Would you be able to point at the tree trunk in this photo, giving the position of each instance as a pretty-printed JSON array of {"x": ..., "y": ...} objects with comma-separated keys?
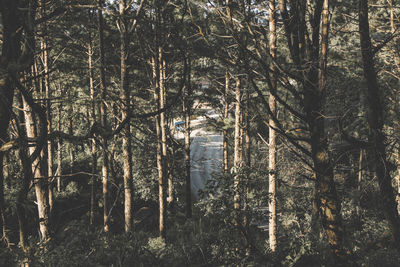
[
  {"x": 225, "y": 132},
  {"x": 305, "y": 50},
  {"x": 359, "y": 179},
  {"x": 59, "y": 148},
  {"x": 376, "y": 123},
  {"x": 272, "y": 134},
  {"x": 40, "y": 182},
  {"x": 103, "y": 115},
  {"x": 47, "y": 92},
  {"x": 187, "y": 107},
  {"x": 126, "y": 139},
  {"x": 237, "y": 162},
  {"x": 93, "y": 119},
  {"x": 26, "y": 167},
  {"x": 160, "y": 161},
  {"x": 164, "y": 125}
]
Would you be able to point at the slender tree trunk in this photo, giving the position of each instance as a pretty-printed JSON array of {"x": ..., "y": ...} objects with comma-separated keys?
[
  {"x": 376, "y": 122},
  {"x": 164, "y": 124},
  {"x": 126, "y": 139},
  {"x": 103, "y": 115},
  {"x": 93, "y": 142},
  {"x": 398, "y": 182},
  {"x": 225, "y": 132},
  {"x": 70, "y": 145},
  {"x": 272, "y": 134},
  {"x": 160, "y": 165},
  {"x": 40, "y": 182},
  {"x": 47, "y": 92},
  {"x": 187, "y": 107},
  {"x": 26, "y": 167},
  {"x": 359, "y": 179},
  {"x": 59, "y": 149},
  {"x": 237, "y": 149}
]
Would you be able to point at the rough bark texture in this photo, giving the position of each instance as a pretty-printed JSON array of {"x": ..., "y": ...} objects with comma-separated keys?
[
  {"x": 375, "y": 123},
  {"x": 272, "y": 134}
]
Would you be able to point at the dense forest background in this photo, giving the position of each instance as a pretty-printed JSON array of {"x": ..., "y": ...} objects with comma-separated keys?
[{"x": 307, "y": 97}]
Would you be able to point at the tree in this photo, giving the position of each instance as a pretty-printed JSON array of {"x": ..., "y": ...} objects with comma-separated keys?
[
  {"x": 272, "y": 134},
  {"x": 376, "y": 122},
  {"x": 103, "y": 115}
]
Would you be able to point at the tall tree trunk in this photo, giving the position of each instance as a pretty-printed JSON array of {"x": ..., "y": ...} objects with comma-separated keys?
[
  {"x": 359, "y": 180},
  {"x": 272, "y": 133},
  {"x": 237, "y": 162},
  {"x": 306, "y": 50},
  {"x": 103, "y": 115},
  {"x": 40, "y": 182},
  {"x": 126, "y": 139},
  {"x": 93, "y": 119},
  {"x": 187, "y": 107},
  {"x": 46, "y": 83},
  {"x": 164, "y": 125},
  {"x": 160, "y": 162},
  {"x": 328, "y": 202},
  {"x": 26, "y": 167},
  {"x": 225, "y": 132},
  {"x": 375, "y": 123},
  {"x": 70, "y": 145},
  {"x": 59, "y": 148}
]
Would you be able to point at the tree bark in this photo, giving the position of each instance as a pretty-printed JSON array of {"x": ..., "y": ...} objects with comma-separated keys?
[
  {"x": 225, "y": 132},
  {"x": 40, "y": 182},
  {"x": 46, "y": 83},
  {"x": 126, "y": 139},
  {"x": 376, "y": 123},
  {"x": 187, "y": 107},
  {"x": 93, "y": 119},
  {"x": 359, "y": 180},
  {"x": 103, "y": 115},
  {"x": 237, "y": 162},
  {"x": 272, "y": 133},
  {"x": 59, "y": 148},
  {"x": 164, "y": 124},
  {"x": 160, "y": 162}
]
